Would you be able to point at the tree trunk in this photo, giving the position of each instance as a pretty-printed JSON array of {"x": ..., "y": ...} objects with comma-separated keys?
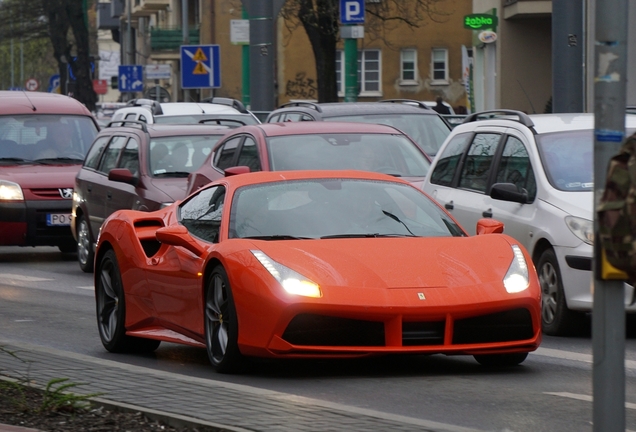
[{"x": 322, "y": 31}]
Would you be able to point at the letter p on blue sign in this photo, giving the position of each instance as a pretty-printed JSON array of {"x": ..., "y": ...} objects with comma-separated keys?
[{"x": 352, "y": 11}]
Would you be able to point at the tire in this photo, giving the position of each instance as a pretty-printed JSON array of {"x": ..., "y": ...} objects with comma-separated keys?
[
  {"x": 221, "y": 324},
  {"x": 556, "y": 318},
  {"x": 500, "y": 360},
  {"x": 85, "y": 253},
  {"x": 111, "y": 311}
]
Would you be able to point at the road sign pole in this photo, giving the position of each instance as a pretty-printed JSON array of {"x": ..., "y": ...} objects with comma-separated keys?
[
  {"x": 185, "y": 32},
  {"x": 246, "y": 68},
  {"x": 351, "y": 70},
  {"x": 608, "y": 314}
]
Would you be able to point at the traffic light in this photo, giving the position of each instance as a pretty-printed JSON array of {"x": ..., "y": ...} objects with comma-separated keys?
[{"x": 114, "y": 84}]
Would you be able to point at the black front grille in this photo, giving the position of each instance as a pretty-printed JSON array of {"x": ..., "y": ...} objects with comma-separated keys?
[
  {"x": 320, "y": 330},
  {"x": 498, "y": 327},
  {"x": 422, "y": 333}
]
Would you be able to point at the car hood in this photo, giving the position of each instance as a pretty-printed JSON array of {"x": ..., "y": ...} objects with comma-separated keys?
[
  {"x": 396, "y": 262},
  {"x": 578, "y": 204},
  {"x": 173, "y": 188},
  {"x": 40, "y": 176}
]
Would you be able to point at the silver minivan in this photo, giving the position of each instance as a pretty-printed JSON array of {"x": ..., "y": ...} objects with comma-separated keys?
[{"x": 534, "y": 173}]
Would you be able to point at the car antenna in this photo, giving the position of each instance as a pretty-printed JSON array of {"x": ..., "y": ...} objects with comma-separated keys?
[
  {"x": 27, "y": 96},
  {"x": 534, "y": 111}
]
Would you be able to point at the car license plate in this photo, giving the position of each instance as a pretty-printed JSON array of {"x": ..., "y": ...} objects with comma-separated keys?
[{"x": 58, "y": 219}]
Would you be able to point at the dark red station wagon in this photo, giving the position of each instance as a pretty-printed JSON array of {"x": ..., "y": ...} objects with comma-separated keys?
[{"x": 43, "y": 140}]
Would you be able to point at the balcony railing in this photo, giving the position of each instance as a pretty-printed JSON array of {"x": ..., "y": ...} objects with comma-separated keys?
[{"x": 170, "y": 39}]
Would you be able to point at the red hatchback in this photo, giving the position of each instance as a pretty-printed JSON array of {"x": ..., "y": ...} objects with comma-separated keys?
[
  {"x": 314, "y": 146},
  {"x": 43, "y": 140}
]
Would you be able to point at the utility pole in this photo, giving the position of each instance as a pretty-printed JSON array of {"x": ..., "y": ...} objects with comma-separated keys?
[
  {"x": 608, "y": 313},
  {"x": 185, "y": 33},
  {"x": 262, "y": 15}
]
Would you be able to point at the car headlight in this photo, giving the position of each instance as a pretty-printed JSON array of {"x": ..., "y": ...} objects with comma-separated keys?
[
  {"x": 582, "y": 228},
  {"x": 516, "y": 279},
  {"x": 10, "y": 191},
  {"x": 292, "y": 282}
]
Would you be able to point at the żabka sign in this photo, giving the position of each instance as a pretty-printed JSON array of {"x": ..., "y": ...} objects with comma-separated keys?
[{"x": 480, "y": 21}]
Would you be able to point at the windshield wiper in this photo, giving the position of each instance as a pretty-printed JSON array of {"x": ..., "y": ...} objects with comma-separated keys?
[
  {"x": 369, "y": 235},
  {"x": 58, "y": 159},
  {"x": 15, "y": 159},
  {"x": 278, "y": 237},
  {"x": 397, "y": 219},
  {"x": 172, "y": 174}
]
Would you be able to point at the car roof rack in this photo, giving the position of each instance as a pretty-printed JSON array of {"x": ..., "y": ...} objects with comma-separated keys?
[
  {"x": 234, "y": 103},
  {"x": 218, "y": 121},
  {"x": 122, "y": 123},
  {"x": 407, "y": 102},
  {"x": 153, "y": 105},
  {"x": 522, "y": 117},
  {"x": 302, "y": 104}
]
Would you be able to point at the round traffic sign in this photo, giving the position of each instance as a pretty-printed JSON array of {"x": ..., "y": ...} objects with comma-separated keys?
[{"x": 31, "y": 84}]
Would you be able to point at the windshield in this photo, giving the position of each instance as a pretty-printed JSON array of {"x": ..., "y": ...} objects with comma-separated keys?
[
  {"x": 384, "y": 153},
  {"x": 336, "y": 208},
  {"x": 428, "y": 131},
  {"x": 568, "y": 159},
  {"x": 177, "y": 156},
  {"x": 45, "y": 138}
]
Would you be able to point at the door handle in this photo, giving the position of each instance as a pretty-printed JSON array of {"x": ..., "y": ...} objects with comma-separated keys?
[
  {"x": 109, "y": 195},
  {"x": 487, "y": 213},
  {"x": 89, "y": 188},
  {"x": 449, "y": 206}
]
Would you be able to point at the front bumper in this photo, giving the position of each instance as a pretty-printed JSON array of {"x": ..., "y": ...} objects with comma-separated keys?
[{"x": 25, "y": 223}]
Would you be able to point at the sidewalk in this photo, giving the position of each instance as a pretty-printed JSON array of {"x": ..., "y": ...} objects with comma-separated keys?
[{"x": 181, "y": 400}]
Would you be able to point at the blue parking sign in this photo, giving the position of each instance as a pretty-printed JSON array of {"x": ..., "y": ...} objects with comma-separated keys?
[
  {"x": 200, "y": 66},
  {"x": 131, "y": 78},
  {"x": 352, "y": 11}
]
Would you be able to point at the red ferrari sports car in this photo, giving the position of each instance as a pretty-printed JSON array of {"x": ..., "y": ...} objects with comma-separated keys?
[{"x": 314, "y": 264}]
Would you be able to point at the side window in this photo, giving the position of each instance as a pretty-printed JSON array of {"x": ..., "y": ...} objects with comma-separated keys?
[
  {"x": 131, "y": 116},
  {"x": 201, "y": 214},
  {"x": 476, "y": 169},
  {"x": 274, "y": 118},
  {"x": 92, "y": 159},
  {"x": 111, "y": 155},
  {"x": 515, "y": 167},
  {"x": 249, "y": 155},
  {"x": 142, "y": 118},
  {"x": 224, "y": 156},
  {"x": 448, "y": 160},
  {"x": 130, "y": 157}
]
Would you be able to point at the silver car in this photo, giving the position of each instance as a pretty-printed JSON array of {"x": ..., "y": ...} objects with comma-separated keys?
[{"x": 534, "y": 173}]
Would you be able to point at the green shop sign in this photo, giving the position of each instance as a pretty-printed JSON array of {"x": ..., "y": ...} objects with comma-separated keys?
[{"x": 480, "y": 21}]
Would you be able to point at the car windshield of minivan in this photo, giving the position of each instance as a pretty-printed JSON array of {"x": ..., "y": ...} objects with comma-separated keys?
[
  {"x": 178, "y": 156},
  {"x": 45, "y": 139},
  {"x": 428, "y": 131},
  {"x": 384, "y": 153},
  {"x": 568, "y": 159}
]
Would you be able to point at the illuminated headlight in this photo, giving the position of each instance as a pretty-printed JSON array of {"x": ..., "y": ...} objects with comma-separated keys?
[
  {"x": 516, "y": 279},
  {"x": 10, "y": 191},
  {"x": 582, "y": 228},
  {"x": 292, "y": 282}
]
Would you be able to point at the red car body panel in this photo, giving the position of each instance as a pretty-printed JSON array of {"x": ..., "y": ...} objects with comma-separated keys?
[{"x": 392, "y": 282}]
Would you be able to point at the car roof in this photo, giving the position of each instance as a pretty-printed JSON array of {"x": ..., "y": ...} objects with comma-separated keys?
[
  {"x": 312, "y": 128},
  {"x": 165, "y": 130},
  {"x": 333, "y": 109},
  {"x": 189, "y": 108},
  {"x": 273, "y": 176},
  {"x": 19, "y": 102}
]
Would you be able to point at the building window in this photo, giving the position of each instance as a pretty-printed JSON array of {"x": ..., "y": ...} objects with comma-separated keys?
[
  {"x": 369, "y": 72},
  {"x": 408, "y": 66},
  {"x": 439, "y": 66}
]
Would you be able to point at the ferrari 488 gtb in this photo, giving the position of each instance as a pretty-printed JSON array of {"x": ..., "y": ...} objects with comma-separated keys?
[{"x": 297, "y": 264}]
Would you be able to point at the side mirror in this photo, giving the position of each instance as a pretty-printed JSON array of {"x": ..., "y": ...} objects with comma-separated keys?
[
  {"x": 122, "y": 175},
  {"x": 179, "y": 236},
  {"x": 508, "y": 192},
  {"x": 489, "y": 226},
  {"x": 236, "y": 170}
]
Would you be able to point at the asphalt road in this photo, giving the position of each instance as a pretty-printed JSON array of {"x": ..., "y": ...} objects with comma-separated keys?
[{"x": 46, "y": 300}]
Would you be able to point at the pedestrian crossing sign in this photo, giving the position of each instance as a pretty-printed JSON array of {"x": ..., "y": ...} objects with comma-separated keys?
[{"x": 200, "y": 66}]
